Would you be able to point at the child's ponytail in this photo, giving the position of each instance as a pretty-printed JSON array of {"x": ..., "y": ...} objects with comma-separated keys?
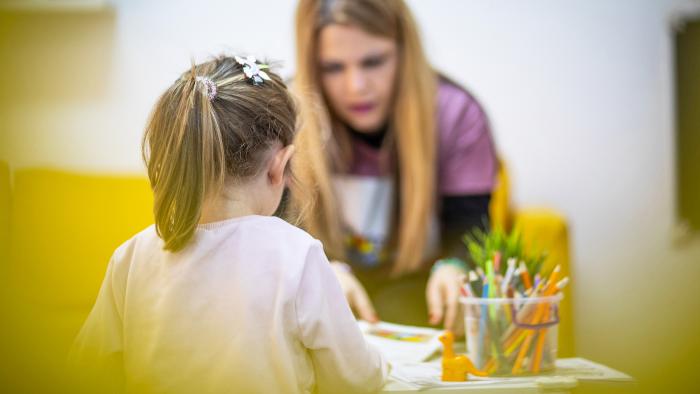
[
  {"x": 185, "y": 158},
  {"x": 211, "y": 124}
]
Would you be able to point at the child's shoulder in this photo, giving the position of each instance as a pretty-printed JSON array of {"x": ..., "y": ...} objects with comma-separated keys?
[
  {"x": 145, "y": 236},
  {"x": 124, "y": 254},
  {"x": 251, "y": 230},
  {"x": 254, "y": 230},
  {"x": 274, "y": 235},
  {"x": 280, "y": 229}
]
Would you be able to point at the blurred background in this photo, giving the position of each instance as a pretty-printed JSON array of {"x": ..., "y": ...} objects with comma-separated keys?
[{"x": 594, "y": 105}]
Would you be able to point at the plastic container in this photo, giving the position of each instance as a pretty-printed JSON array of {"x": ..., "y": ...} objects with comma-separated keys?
[{"x": 512, "y": 336}]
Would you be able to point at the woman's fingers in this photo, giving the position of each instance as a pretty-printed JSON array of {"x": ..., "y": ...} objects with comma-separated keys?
[
  {"x": 354, "y": 292},
  {"x": 442, "y": 294},
  {"x": 435, "y": 302},
  {"x": 458, "y": 327},
  {"x": 451, "y": 298},
  {"x": 360, "y": 302}
]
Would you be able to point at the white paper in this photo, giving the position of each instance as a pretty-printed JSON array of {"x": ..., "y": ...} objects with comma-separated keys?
[
  {"x": 400, "y": 343},
  {"x": 428, "y": 375}
]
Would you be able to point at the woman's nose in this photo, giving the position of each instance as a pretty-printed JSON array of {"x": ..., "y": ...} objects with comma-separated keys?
[{"x": 356, "y": 81}]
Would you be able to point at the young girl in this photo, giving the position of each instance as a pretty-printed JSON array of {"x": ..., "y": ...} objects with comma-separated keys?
[{"x": 218, "y": 296}]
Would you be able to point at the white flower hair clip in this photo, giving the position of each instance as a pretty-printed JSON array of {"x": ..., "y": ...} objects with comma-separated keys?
[
  {"x": 209, "y": 85},
  {"x": 253, "y": 70}
]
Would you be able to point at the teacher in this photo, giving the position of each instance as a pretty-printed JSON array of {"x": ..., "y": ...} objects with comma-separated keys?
[{"x": 399, "y": 160}]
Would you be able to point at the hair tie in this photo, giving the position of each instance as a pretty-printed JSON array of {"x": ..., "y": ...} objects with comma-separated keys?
[{"x": 209, "y": 85}]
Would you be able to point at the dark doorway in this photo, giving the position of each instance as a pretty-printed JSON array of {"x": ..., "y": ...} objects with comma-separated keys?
[{"x": 688, "y": 124}]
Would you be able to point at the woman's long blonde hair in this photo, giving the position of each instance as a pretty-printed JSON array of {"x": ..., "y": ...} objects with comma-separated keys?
[
  {"x": 412, "y": 122},
  {"x": 212, "y": 125}
]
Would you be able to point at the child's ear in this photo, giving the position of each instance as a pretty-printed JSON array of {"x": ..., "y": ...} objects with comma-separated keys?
[{"x": 279, "y": 163}]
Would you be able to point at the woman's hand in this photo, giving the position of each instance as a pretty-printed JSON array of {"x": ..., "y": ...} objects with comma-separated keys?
[
  {"x": 354, "y": 292},
  {"x": 442, "y": 293}
]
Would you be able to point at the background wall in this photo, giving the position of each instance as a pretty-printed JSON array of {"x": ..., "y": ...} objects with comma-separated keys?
[{"x": 580, "y": 95}]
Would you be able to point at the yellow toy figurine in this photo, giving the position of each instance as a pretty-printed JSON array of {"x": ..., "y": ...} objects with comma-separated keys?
[{"x": 455, "y": 368}]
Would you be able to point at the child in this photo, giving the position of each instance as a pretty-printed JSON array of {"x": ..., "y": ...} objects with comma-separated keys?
[{"x": 218, "y": 296}]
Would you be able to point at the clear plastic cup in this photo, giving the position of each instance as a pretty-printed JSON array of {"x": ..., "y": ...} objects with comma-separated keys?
[{"x": 512, "y": 336}]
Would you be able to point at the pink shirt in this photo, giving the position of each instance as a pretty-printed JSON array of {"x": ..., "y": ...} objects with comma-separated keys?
[
  {"x": 466, "y": 165},
  {"x": 466, "y": 156}
]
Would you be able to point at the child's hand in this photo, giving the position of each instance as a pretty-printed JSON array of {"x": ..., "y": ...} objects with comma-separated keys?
[
  {"x": 442, "y": 293},
  {"x": 354, "y": 292}
]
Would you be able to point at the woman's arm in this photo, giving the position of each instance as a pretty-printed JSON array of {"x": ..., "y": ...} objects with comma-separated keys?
[
  {"x": 354, "y": 292},
  {"x": 459, "y": 215},
  {"x": 467, "y": 171}
]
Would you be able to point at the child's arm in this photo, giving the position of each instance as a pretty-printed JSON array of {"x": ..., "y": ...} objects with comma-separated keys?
[
  {"x": 343, "y": 360},
  {"x": 95, "y": 359}
]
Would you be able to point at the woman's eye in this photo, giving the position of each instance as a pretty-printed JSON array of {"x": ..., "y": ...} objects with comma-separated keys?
[
  {"x": 331, "y": 68},
  {"x": 373, "y": 62}
]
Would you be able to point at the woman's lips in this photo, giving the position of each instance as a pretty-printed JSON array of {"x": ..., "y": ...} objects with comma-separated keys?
[{"x": 362, "y": 108}]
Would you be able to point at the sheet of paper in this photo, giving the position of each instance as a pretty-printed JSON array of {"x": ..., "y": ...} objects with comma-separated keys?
[
  {"x": 400, "y": 343},
  {"x": 428, "y": 375}
]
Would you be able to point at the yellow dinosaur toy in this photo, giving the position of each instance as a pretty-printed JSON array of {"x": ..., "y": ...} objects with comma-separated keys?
[{"x": 455, "y": 368}]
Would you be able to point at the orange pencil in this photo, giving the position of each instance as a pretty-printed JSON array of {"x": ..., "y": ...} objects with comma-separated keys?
[
  {"x": 560, "y": 286},
  {"x": 554, "y": 277},
  {"x": 512, "y": 333},
  {"x": 528, "y": 340},
  {"x": 523, "y": 351},
  {"x": 528, "y": 311},
  {"x": 542, "y": 310},
  {"x": 525, "y": 276},
  {"x": 539, "y": 347},
  {"x": 517, "y": 339}
]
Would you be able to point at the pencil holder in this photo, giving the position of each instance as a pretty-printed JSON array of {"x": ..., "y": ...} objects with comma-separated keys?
[{"x": 512, "y": 336}]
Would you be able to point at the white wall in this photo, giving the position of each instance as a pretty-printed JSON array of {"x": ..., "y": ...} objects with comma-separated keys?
[
  {"x": 138, "y": 48},
  {"x": 580, "y": 95}
]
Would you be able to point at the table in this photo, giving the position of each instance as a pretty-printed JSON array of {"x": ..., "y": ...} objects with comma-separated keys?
[{"x": 572, "y": 375}]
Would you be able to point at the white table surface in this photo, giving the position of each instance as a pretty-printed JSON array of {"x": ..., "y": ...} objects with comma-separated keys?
[{"x": 570, "y": 374}]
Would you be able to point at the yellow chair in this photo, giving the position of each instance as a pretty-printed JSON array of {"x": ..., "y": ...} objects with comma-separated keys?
[
  {"x": 5, "y": 192},
  {"x": 543, "y": 229},
  {"x": 64, "y": 228}
]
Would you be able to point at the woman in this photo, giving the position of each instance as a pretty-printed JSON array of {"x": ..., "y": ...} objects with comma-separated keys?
[{"x": 401, "y": 159}]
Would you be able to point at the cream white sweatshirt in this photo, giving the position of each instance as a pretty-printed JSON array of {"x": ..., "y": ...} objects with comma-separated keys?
[{"x": 250, "y": 305}]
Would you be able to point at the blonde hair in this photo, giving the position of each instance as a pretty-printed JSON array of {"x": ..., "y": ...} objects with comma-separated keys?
[
  {"x": 196, "y": 140},
  {"x": 412, "y": 122}
]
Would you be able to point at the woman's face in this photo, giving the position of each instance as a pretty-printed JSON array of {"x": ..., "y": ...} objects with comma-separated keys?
[{"x": 358, "y": 71}]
